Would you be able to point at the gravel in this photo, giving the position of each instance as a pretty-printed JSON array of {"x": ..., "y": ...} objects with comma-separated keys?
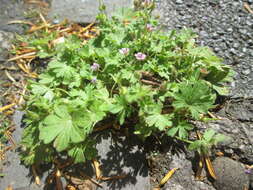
[{"x": 223, "y": 25}]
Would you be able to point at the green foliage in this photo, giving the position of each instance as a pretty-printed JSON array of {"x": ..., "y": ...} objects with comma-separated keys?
[
  {"x": 4, "y": 125},
  {"x": 209, "y": 139},
  {"x": 130, "y": 70},
  {"x": 193, "y": 97}
]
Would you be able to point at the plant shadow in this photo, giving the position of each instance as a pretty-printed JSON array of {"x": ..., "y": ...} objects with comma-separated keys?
[{"x": 123, "y": 159}]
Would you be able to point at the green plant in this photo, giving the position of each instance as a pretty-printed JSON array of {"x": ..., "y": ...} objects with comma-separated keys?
[
  {"x": 209, "y": 139},
  {"x": 130, "y": 70},
  {"x": 4, "y": 124}
]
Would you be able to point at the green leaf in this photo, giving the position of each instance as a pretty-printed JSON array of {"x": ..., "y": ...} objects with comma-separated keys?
[
  {"x": 217, "y": 74},
  {"x": 196, "y": 145},
  {"x": 60, "y": 128},
  {"x": 65, "y": 72},
  {"x": 83, "y": 151},
  {"x": 46, "y": 78},
  {"x": 195, "y": 96},
  {"x": 209, "y": 134},
  {"x": 116, "y": 108},
  {"x": 180, "y": 127},
  {"x": 172, "y": 131},
  {"x": 158, "y": 120},
  {"x": 42, "y": 90}
]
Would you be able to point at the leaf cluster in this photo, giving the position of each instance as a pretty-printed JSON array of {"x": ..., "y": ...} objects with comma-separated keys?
[{"x": 131, "y": 71}]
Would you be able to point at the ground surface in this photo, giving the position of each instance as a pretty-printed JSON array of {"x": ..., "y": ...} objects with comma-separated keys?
[{"x": 225, "y": 26}]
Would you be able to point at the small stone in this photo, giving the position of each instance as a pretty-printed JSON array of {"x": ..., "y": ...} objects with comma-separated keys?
[
  {"x": 236, "y": 45},
  {"x": 246, "y": 72},
  {"x": 230, "y": 174},
  {"x": 179, "y": 1}
]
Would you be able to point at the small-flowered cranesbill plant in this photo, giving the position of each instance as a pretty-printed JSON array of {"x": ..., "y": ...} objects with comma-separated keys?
[{"x": 131, "y": 72}]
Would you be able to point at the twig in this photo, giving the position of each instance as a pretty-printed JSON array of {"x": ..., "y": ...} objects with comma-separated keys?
[
  {"x": 9, "y": 76},
  {"x": 21, "y": 99},
  {"x": 247, "y": 7},
  {"x": 150, "y": 76},
  {"x": 87, "y": 27},
  {"x": 150, "y": 82},
  {"x": 45, "y": 22},
  {"x": 210, "y": 167},
  {"x": 167, "y": 176},
  {"x": 96, "y": 129},
  {"x": 20, "y": 22},
  {"x": 59, "y": 185},
  {"x": 37, "y": 179},
  {"x": 21, "y": 56},
  {"x": 200, "y": 168},
  {"x": 96, "y": 166},
  {"x": 113, "y": 177},
  {"x": 91, "y": 179},
  {"x": 8, "y": 134},
  {"x": 7, "y": 107},
  {"x": 212, "y": 115},
  {"x": 40, "y": 3}
]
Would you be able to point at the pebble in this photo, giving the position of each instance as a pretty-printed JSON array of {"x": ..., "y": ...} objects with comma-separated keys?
[
  {"x": 230, "y": 175},
  {"x": 246, "y": 72}
]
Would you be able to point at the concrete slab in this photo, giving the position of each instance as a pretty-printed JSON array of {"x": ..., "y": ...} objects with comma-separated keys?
[{"x": 83, "y": 11}]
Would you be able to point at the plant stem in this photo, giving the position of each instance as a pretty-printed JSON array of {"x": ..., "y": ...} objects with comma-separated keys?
[{"x": 184, "y": 140}]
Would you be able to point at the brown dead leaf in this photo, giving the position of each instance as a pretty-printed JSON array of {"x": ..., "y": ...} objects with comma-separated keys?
[
  {"x": 22, "y": 56},
  {"x": 36, "y": 177},
  {"x": 9, "y": 112},
  {"x": 7, "y": 107},
  {"x": 9, "y": 188},
  {"x": 113, "y": 177},
  {"x": 35, "y": 28},
  {"x": 26, "y": 50},
  {"x": 9, "y": 135},
  {"x": 59, "y": 185},
  {"x": 167, "y": 176},
  {"x": 247, "y": 7},
  {"x": 38, "y": 2},
  {"x": 70, "y": 187},
  {"x": 82, "y": 184},
  {"x": 20, "y": 22},
  {"x": 210, "y": 167},
  {"x": 87, "y": 27},
  {"x": 96, "y": 166},
  {"x": 9, "y": 76},
  {"x": 219, "y": 154},
  {"x": 200, "y": 168}
]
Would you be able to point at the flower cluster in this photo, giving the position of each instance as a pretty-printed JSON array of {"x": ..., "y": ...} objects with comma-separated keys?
[
  {"x": 140, "y": 56},
  {"x": 150, "y": 28},
  {"x": 94, "y": 80},
  {"x": 95, "y": 67},
  {"x": 124, "y": 51}
]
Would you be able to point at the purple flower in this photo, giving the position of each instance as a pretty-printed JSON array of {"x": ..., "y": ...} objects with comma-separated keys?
[
  {"x": 124, "y": 51},
  {"x": 140, "y": 56},
  {"x": 95, "y": 67},
  {"x": 248, "y": 171},
  {"x": 150, "y": 27},
  {"x": 94, "y": 80}
]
